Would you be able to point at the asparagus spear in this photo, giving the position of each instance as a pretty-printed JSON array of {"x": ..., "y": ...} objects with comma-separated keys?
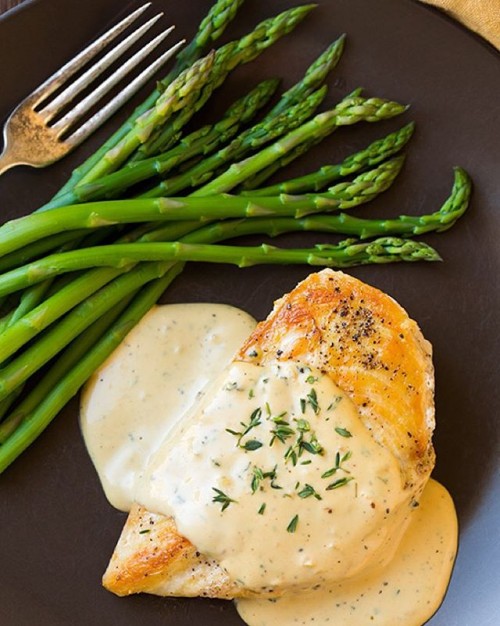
[
  {"x": 20, "y": 232},
  {"x": 313, "y": 79},
  {"x": 403, "y": 226},
  {"x": 349, "y": 111},
  {"x": 125, "y": 255},
  {"x": 259, "y": 135},
  {"x": 372, "y": 155},
  {"x": 202, "y": 141},
  {"x": 211, "y": 27}
]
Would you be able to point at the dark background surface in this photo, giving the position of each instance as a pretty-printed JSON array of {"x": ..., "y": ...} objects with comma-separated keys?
[
  {"x": 5, "y": 5},
  {"x": 57, "y": 530}
]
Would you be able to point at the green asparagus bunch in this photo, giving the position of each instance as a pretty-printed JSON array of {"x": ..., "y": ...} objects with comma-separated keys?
[{"x": 85, "y": 272}]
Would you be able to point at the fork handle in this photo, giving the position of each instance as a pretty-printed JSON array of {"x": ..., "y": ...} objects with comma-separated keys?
[{"x": 7, "y": 160}]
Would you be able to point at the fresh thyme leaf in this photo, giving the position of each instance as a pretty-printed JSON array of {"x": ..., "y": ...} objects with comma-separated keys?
[
  {"x": 309, "y": 491},
  {"x": 262, "y": 509},
  {"x": 303, "y": 404},
  {"x": 292, "y": 455},
  {"x": 143, "y": 532},
  {"x": 271, "y": 474},
  {"x": 333, "y": 404},
  {"x": 222, "y": 498},
  {"x": 339, "y": 483},
  {"x": 338, "y": 465},
  {"x": 312, "y": 398},
  {"x": 313, "y": 447},
  {"x": 292, "y": 526},
  {"x": 257, "y": 477},
  {"x": 258, "y": 473},
  {"x": 308, "y": 447},
  {"x": 280, "y": 421},
  {"x": 275, "y": 486},
  {"x": 282, "y": 432},
  {"x": 343, "y": 432},
  {"x": 254, "y": 421},
  {"x": 329, "y": 472},
  {"x": 303, "y": 425},
  {"x": 252, "y": 445}
]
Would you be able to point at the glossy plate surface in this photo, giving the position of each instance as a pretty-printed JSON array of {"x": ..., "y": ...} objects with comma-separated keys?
[{"x": 57, "y": 530}]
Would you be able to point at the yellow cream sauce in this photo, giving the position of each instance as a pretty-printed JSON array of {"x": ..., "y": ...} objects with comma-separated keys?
[
  {"x": 268, "y": 470},
  {"x": 151, "y": 381}
]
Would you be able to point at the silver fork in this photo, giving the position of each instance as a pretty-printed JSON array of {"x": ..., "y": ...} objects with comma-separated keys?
[{"x": 30, "y": 136}]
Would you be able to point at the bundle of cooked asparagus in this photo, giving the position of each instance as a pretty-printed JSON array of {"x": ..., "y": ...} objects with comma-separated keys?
[{"x": 80, "y": 272}]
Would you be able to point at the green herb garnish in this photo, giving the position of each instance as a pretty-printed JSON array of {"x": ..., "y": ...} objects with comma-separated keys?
[
  {"x": 341, "y": 482},
  {"x": 343, "y": 432},
  {"x": 222, "y": 498},
  {"x": 252, "y": 445},
  {"x": 309, "y": 491},
  {"x": 292, "y": 526},
  {"x": 254, "y": 421},
  {"x": 312, "y": 398},
  {"x": 338, "y": 465}
]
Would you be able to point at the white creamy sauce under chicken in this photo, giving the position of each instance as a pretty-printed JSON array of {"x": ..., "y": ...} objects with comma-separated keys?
[{"x": 272, "y": 474}]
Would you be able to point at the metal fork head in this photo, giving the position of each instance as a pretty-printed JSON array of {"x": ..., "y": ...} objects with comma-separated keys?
[{"x": 30, "y": 137}]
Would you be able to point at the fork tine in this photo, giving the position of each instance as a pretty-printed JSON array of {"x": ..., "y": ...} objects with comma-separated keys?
[
  {"x": 69, "y": 69},
  {"x": 48, "y": 112},
  {"x": 82, "y": 107},
  {"x": 107, "y": 111}
]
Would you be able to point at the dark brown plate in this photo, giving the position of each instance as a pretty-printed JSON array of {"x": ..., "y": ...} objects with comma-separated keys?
[{"x": 57, "y": 530}]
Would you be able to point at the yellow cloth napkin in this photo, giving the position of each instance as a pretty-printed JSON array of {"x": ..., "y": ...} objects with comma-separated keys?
[{"x": 482, "y": 16}]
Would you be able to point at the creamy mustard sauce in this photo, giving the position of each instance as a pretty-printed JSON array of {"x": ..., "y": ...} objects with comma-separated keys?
[
  {"x": 149, "y": 383},
  {"x": 277, "y": 479},
  {"x": 408, "y": 590},
  {"x": 270, "y": 471}
]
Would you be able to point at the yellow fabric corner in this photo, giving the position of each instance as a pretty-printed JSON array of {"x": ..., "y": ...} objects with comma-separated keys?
[{"x": 482, "y": 16}]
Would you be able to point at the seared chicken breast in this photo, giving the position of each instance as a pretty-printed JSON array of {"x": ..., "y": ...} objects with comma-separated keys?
[{"x": 368, "y": 345}]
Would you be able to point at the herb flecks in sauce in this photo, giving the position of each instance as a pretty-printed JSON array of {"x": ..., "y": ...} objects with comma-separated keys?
[
  {"x": 222, "y": 498},
  {"x": 276, "y": 490}
]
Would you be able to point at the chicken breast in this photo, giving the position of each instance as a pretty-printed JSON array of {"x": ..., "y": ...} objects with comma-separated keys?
[{"x": 368, "y": 345}]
